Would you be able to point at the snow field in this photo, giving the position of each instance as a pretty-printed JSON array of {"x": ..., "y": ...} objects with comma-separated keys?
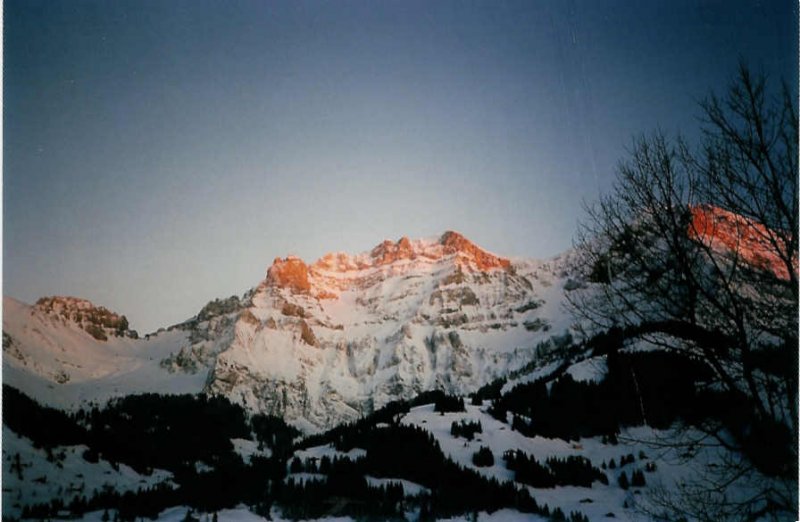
[{"x": 40, "y": 480}]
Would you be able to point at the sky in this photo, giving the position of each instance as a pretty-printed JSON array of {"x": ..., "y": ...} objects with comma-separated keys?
[{"x": 159, "y": 154}]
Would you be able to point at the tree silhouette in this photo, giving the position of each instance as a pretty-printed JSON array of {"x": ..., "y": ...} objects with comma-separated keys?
[{"x": 695, "y": 251}]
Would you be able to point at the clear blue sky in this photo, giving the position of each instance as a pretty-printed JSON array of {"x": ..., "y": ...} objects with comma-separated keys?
[{"x": 159, "y": 154}]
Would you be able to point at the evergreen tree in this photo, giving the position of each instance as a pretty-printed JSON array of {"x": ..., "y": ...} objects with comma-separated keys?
[
  {"x": 637, "y": 479},
  {"x": 623, "y": 481},
  {"x": 296, "y": 466}
]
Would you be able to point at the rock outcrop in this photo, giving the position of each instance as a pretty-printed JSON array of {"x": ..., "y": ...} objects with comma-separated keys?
[
  {"x": 737, "y": 235},
  {"x": 97, "y": 321},
  {"x": 291, "y": 273}
]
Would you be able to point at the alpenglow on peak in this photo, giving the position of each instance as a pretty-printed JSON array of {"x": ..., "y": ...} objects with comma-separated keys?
[{"x": 295, "y": 275}]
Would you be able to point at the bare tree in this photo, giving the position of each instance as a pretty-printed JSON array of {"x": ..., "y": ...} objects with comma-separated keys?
[{"x": 695, "y": 250}]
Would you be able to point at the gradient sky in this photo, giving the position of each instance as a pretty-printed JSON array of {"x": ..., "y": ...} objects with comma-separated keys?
[{"x": 158, "y": 154}]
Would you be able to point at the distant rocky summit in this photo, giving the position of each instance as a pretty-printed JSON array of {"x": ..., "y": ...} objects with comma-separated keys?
[{"x": 97, "y": 321}]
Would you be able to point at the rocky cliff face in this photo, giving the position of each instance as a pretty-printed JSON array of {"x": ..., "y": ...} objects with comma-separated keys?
[
  {"x": 97, "y": 321},
  {"x": 744, "y": 238},
  {"x": 326, "y": 342}
]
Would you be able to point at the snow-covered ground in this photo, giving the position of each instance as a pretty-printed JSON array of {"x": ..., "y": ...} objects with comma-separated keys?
[
  {"x": 242, "y": 514},
  {"x": 647, "y": 445},
  {"x": 596, "y": 502},
  {"x": 247, "y": 449},
  {"x": 593, "y": 369},
  {"x": 30, "y": 477},
  {"x": 410, "y": 489},
  {"x": 328, "y": 450},
  {"x": 69, "y": 474}
]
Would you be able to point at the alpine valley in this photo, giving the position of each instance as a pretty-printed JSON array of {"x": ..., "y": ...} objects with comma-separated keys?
[{"x": 424, "y": 379}]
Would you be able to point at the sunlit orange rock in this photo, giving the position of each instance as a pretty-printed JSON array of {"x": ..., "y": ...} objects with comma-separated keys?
[
  {"x": 291, "y": 273},
  {"x": 389, "y": 252},
  {"x": 720, "y": 228},
  {"x": 98, "y": 321},
  {"x": 336, "y": 262},
  {"x": 455, "y": 243},
  {"x": 337, "y": 272}
]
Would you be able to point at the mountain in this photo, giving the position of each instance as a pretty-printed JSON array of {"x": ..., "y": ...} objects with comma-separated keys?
[
  {"x": 49, "y": 352},
  {"x": 333, "y": 340},
  {"x": 728, "y": 232},
  {"x": 316, "y": 344}
]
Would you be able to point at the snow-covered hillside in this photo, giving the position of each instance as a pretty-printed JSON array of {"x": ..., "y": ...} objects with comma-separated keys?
[
  {"x": 663, "y": 464},
  {"x": 32, "y": 475},
  {"x": 55, "y": 360}
]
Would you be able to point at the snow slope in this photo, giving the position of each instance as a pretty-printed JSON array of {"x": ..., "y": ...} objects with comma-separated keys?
[
  {"x": 30, "y": 477},
  {"x": 58, "y": 363},
  {"x": 665, "y": 464},
  {"x": 242, "y": 514},
  {"x": 673, "y": 464}
]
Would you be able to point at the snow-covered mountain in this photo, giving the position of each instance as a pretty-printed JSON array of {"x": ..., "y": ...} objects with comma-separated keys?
[
  {"x": 314, "y": 343},
  {"x": 333, "y": 340},
  {"x": 51, "y": 356}
]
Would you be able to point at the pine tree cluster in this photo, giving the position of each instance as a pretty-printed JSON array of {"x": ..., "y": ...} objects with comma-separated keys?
[
  {"x": 466, "y": 429},
  {"x": 449, "y": 403},
  {"x": 569, "y": 471},
  {"x": 483, "y": 457}
]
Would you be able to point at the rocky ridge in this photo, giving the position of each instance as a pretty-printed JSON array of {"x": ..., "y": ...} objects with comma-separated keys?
[
  {"x": 732, "y": 233},
  {"x": 97, "y": 321}
]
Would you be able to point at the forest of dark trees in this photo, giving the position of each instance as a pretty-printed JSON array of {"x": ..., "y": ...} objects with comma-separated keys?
[
  {"x": 175, "y": 432},
  {"x": 569, "y": 471},
  {"x": 654, "y": 388}
]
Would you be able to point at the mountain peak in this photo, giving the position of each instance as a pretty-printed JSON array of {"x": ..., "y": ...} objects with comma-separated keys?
[
  {"x": 290, "y": 272},
  {"x": 97, "y": 321},
  {"x": 726, "y": 230},
  {"x": 293, "y": 273},
  {"x": 455, "y": 243},
  {"x": 61, "y": 303},
  {"x": 389, "y": 252}
]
